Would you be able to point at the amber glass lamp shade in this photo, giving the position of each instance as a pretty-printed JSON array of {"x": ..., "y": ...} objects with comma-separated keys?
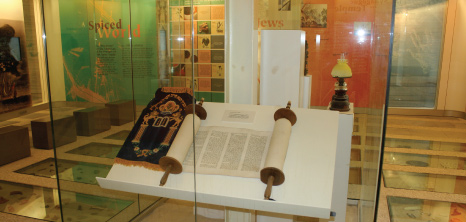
[{"x": 341, "y": 69}]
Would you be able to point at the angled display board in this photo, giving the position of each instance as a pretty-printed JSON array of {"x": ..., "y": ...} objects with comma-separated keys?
[{"x": 309, "y": 167}]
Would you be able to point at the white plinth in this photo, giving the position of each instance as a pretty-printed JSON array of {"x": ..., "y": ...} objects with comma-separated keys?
[{"x": 309, "y": 168}]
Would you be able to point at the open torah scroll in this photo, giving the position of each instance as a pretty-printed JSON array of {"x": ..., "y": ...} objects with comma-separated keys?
[
  {"x": 231, "y": 151},
  {"x": 228, "y": 151}
]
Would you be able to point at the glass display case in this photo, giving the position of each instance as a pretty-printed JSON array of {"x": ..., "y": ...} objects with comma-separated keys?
[{"x": 209, "y": 110}]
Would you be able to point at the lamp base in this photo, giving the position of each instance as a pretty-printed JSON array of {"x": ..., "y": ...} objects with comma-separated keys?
[{"x": 340, "y": 103}]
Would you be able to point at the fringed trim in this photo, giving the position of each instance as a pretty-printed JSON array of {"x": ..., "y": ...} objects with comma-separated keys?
[
  {"x": 147, "y": 165},
  {"x": 177, "y": 90}
]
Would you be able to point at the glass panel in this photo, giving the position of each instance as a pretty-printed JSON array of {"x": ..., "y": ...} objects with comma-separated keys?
[
  {"x": 98, "y": 150},
  {"x": 419, "y": 160},
  {"x": 85, "y": 207},
  {"x": 331, "y": 28},
  {"x": 119, "y": 136},
  {"x": 417, "y": 51},
  {"x": 423, "y": 181},
  {"x": 108, "y": 58},
  {"x": 22, "y": 94},
  {"x": 425, "y": 145},
  {"x": 113, "y": 60},
  {"x": 80, "y": 172},
  {"x": 407, "y": 209},
  {"x": 355, "y": 175},
  {"x": 43, "y": 203},
  {"x": 405, "y": 143}
]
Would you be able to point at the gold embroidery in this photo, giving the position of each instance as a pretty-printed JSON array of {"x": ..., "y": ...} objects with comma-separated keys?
[
  {"x": 177, "y": 90},
  {"x": 165, "y": 113},
  {"x": 153, "y": 107},
  {"x": 147, "y": 165},
  {"x": 169, "y": 136}
]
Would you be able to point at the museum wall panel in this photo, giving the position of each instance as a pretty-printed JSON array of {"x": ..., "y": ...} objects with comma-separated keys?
[{"x": 456, "y": 78}]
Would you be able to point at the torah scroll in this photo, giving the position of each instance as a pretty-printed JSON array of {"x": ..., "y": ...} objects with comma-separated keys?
[
  {"x": 172, "y": 162},
  {"x": 272, "y": 173}
]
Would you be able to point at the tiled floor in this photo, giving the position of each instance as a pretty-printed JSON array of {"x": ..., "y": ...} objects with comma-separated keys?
[
  {"x": 424, "y": 176},
  {"x": 42, "y": 203},
  {"x": 28, "y": 186}
]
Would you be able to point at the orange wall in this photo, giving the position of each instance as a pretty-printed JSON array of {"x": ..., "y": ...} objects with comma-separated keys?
[{"x": 339, "y": 37}]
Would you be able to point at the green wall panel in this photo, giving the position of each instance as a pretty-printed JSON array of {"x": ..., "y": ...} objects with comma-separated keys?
[{"x": 101, "y": 62}]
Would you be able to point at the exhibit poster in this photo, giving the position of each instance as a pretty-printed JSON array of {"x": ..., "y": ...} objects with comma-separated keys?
[
  {"x": 14, "y": 74},
  {"x": 277, "y": 14},
  {"x": 208, "y": 51},
  {"x": 105, "y": 57}
]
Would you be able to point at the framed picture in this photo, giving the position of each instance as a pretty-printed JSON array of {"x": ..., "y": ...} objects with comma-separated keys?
[
  {"x": 314, "y": 16},
  {"x": 284, "y": 5}
]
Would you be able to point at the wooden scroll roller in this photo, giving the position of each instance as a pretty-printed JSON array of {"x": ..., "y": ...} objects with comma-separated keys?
[
  {"x": 272, "y": 173},
  {"x": 172, "y": 162}
]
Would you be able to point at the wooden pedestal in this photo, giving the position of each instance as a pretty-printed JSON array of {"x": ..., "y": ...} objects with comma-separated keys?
[
  {"x": 14, "y": 142},
  {"x": 92, "y": 120},
  {"x": 64, "y": 128},
  {"x": 121, "y": 112}
]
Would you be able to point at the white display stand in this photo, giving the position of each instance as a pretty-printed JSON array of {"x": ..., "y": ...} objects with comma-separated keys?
[
  {"x": 282, "y": 67},
  {"x": 309, "y": 167}
]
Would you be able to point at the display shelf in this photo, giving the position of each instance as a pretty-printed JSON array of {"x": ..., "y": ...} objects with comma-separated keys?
[{"x": 309, "y": 167}]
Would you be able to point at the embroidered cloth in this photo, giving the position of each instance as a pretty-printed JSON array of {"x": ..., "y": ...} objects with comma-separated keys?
[{"x": 156, "y": 128}]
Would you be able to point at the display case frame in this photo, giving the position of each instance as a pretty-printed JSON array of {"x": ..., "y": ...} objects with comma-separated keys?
[{"x": 100, "y": 70}]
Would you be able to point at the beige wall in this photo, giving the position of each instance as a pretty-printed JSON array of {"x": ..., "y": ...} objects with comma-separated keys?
[
  {"x": 54, "y": 50},
  {"x": 11, "y": 9},
  {"x": 452, "y": 90}
]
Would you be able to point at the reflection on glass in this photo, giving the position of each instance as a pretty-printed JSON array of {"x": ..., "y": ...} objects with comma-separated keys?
[
  {"x": 119, "y": 136},
  {"x": 98, "y": 150},
  {"x": 425, "y": 182},
  {"x": 356, "y": 140},
  {"x": 417, "y": 49},
  {"x": 80, "y": 172},
  {"x": 403, "y": 143},
  {"x": 425, "y": 145},
  {"x": 180, "y": 210},
  {"x": 407, "y": 209},
  {"x": 355, "y": 128},
  {"x": 20, "y": 73},
  {"x": 405, "y": 180},
  {"x": 42, "y": 203},
  {"x": 407, "y": 159},
  {"x": 84, "y": 207},
  {"x": 354, "y": 175}
]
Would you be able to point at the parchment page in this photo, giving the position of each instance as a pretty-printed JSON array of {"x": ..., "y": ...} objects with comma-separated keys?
[{"x": 228, "y": 151}]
